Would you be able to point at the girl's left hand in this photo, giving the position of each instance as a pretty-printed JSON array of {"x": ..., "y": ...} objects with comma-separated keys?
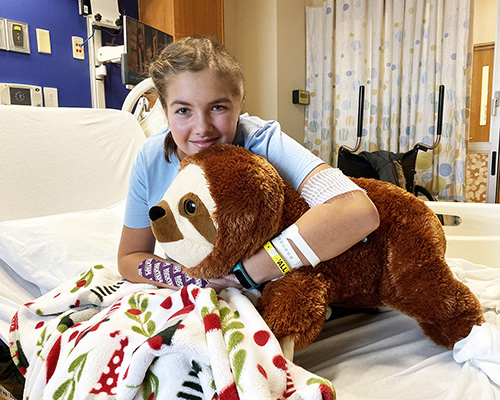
[{"x": 224, "y": 282}]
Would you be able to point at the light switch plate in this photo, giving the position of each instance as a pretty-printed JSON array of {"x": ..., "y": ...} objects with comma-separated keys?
[
  {"x": 3, "y": 35},
  {"x": 50, "y": 97},
  {"x": 43, "y": 40},
  {"x": 18, "y": 36}
]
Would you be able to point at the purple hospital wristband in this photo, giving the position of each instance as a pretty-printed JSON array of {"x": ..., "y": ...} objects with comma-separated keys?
[{"x": 170, "y": 274}]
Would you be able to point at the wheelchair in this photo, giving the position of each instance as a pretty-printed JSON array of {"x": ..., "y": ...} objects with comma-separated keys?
[{"x": 362, "y": 165}]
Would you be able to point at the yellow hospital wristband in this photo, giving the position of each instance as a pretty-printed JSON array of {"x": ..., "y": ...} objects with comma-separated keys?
[{"x": 277, "y": 258}]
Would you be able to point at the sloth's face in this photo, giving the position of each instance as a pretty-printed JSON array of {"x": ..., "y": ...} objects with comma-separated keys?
[{"x": 183, "y": 220}]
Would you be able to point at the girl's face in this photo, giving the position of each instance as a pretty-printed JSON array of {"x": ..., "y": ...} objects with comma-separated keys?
[{"x": 201, "y": 111}]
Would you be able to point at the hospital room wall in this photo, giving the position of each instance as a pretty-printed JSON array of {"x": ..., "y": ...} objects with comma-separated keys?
[
  {"x": 58, "y": 69},
  {"x": 269, "y": 39}
]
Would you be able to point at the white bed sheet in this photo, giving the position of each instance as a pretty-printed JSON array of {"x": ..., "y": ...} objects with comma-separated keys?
[{"x": 386, "y": 356}]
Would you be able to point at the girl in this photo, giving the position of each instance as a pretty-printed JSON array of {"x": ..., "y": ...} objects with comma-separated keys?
[{"x": 202, "y": 90}]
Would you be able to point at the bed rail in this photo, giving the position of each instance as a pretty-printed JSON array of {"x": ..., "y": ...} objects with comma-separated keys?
[{"x": 472, "y": 230}]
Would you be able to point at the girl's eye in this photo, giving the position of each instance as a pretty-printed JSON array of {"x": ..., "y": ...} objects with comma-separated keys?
[
  {"x": 182, "y": 111},
  {"x": 218, "y": 108}
]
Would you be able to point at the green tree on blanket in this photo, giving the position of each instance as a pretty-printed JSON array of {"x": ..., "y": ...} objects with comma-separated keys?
[
  {"x": 85, "y": 278},
  {"x": 151, "y": 386},
  {"x": 137, "y": 312},
  {"x": 41, "y": 343},
  {"x": 231, "y": 330},
  {"x": 67, "y": 389}
]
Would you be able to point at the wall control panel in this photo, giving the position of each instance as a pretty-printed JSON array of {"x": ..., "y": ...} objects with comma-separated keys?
[
  {"x": 19, "y": 94},
  {"x": 17, "y": 36},
  {"x": 300, "y": 97}
]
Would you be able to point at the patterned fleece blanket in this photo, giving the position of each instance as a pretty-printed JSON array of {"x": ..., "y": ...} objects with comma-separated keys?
[{"x": 101, "y": 337}]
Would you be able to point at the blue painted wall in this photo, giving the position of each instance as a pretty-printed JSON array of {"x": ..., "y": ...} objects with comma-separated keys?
[{"x": 59, "y": 69}]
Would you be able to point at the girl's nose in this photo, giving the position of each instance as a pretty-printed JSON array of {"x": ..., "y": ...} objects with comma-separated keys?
[{"x": 203, "y": 124}]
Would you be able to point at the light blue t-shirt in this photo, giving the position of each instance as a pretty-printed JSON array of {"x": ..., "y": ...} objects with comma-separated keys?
[{"x": 151, "y": 174}]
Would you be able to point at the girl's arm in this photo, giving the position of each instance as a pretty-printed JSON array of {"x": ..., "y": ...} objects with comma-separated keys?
[
  {"x": 329, "y": 229},
  {"x": 137, "y": 245}
]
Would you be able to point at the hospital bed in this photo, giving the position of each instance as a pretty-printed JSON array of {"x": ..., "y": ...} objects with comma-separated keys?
[{"x": 63, "y": 180}]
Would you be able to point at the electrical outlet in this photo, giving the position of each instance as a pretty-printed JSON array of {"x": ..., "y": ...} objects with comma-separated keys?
[{"x": 78, "y": 52}]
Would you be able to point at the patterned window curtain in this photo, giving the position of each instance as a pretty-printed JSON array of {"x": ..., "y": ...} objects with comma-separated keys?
[{"x": 401, "y": 51}]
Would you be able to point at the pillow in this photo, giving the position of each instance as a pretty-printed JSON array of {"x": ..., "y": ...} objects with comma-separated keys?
[{"x": 52, "y": 249}]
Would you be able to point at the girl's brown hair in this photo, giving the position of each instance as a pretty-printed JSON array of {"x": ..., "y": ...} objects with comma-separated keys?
[{"x": 194, "y": 54}]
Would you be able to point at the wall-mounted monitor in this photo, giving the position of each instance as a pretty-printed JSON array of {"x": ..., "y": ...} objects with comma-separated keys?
[{"x": 142, "y": 43}]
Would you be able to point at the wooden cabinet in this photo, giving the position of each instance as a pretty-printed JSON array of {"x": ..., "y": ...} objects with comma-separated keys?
[{"x": 182, "y": 18}]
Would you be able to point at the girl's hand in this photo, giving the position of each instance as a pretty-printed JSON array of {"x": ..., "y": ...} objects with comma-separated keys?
[{"x": 224, "y": 282}]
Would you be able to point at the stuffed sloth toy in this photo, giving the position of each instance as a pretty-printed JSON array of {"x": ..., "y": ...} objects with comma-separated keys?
[{"x": 226, "y": 203}]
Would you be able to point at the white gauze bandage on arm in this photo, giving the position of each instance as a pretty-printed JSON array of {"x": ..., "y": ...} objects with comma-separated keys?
[{"x": 325, "y": 185}]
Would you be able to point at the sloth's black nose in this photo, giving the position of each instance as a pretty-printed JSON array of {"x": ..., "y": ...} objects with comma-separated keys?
[{"x": 156, "y": 212}]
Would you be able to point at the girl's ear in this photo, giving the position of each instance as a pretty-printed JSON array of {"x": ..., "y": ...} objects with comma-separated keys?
[{"x": 243, "y": 98}]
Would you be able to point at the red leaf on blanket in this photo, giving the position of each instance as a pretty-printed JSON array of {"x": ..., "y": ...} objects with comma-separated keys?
[
  {"x": 73, "y": 335},
  {"x": 229, "y": 393},
  {"x": 28, "y": 304},
  {"x": 155, "y": 342},
  {"x": 279, "y": 362},
  {"x": 261, "y": 337},
  {"x": 134, "y": 311},
  {"x": 81, "y": 283},
  {"x": 167, "y": 303},
  {"x": 326, "y": 392},
  {"x": 195, "y": 292},
  {"x": 211, "y": 322},
  {"x": 39, "y": 325},
  {"x": 185, "y": 310},
  {"x": 52, "y": 359},
  {"x": 261, "y": 369},
  {"x": 185, "y": 296}
]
